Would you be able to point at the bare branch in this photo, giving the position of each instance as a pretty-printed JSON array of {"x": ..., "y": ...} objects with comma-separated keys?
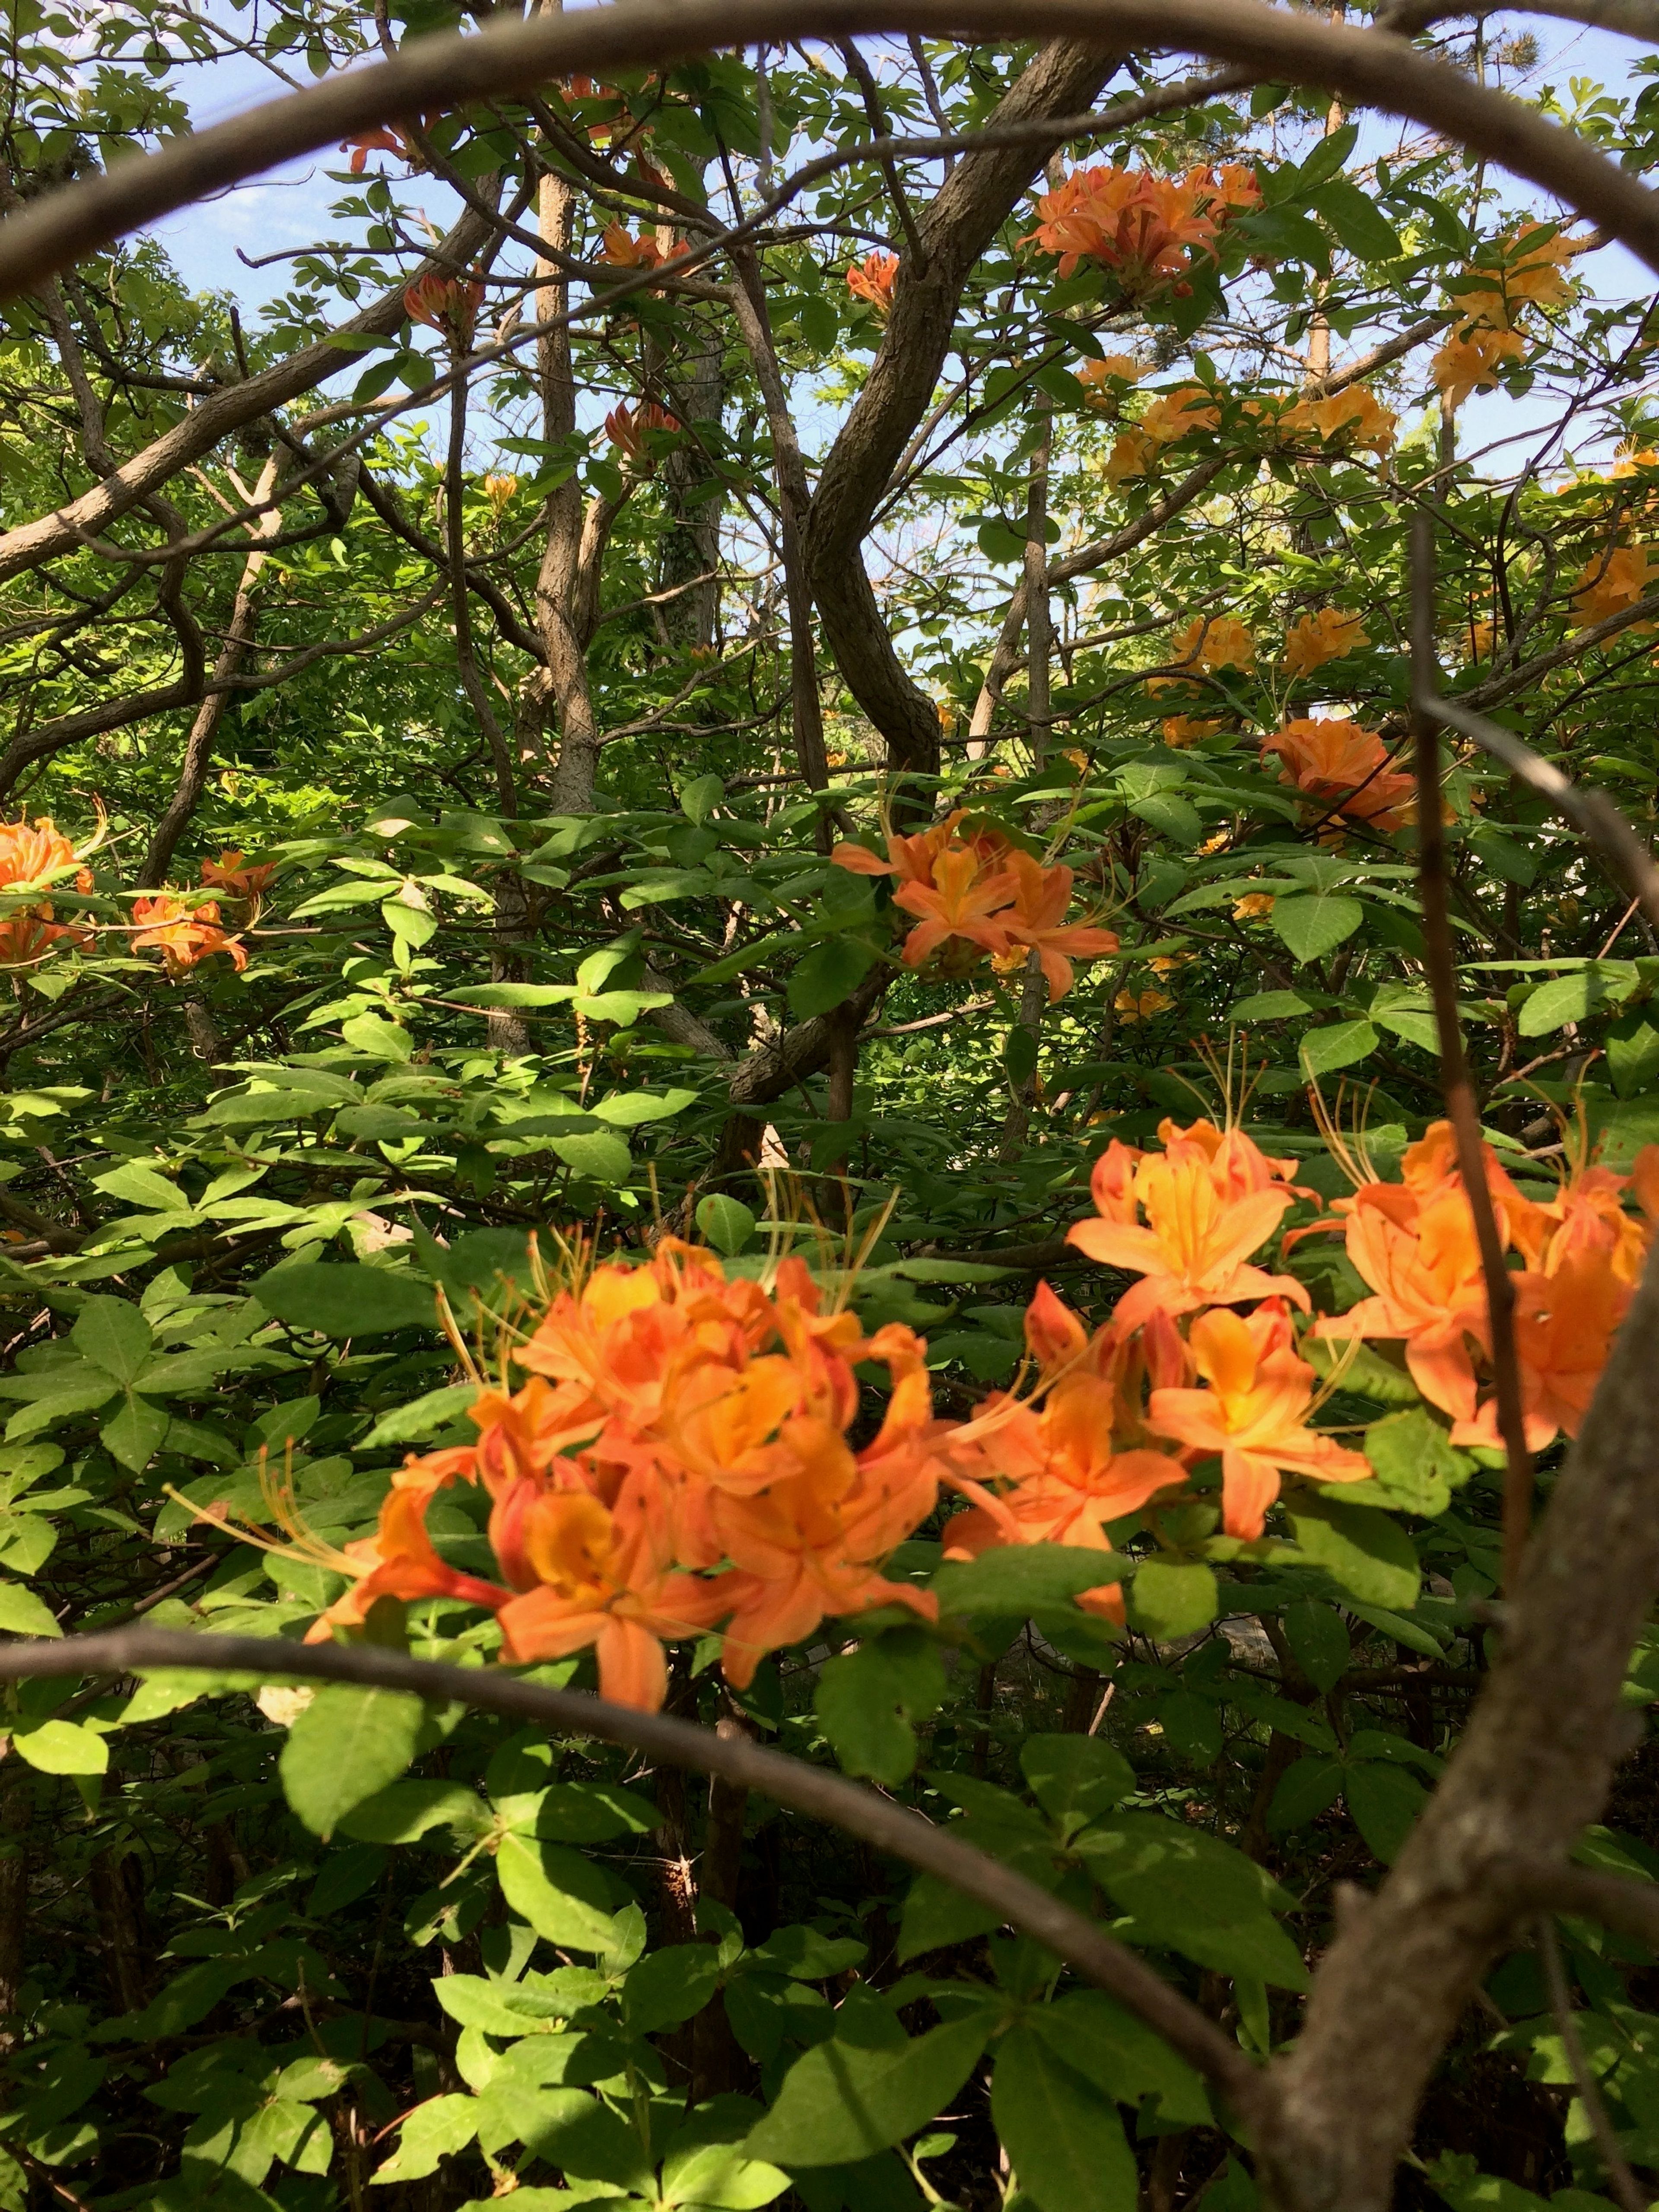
[{"x": 878, "y": 1820}]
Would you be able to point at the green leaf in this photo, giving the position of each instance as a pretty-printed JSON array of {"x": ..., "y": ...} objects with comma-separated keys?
[
  {"x": 1023, "y": 1578},
  {"x": 869, "y": 1700},
  {"x": 1338, "y": 1044},
  {"x": 1415, "y": 1462},
  {"x": 727, "y": 1223},
  {"x": 62, "y": 1747},
  {"x": 831, "y": 973},
  {"x": 1318, "y": 1641},
  {"x": 1306, "y": 1789},
  {"x": 599, "y": 1156},
  {"x": 668, "y": 1986},
  {"x": 1189, "y": 1892},
  {"x": 1170, "y": 814},
  {"x": 518, "y": 994},
  {"x": 1313, "y": 926},
  {"x": 701, "y": 797},
  {"x": 1366, "y": 1552},
  {"x": 1122, "y": 2057},
  {"x": 347, "y": 1301},
  {"x": 630, "y": 1109},
  {"x": 115, "y": 1336},
  {"x": 1576, "y": 996},
  {"x": 1171, "y": 1598},
  {"x": 22, "y": 1613},
  {"x": 557, "y": 1892},
  {"x": 421, "y": 1417},
  {"x": 347, "y": 1744},
  {"x": 1384, "y": 1801},
  {"x": 403, "y": 1811},
  {"x": 1076, "y": 1777},
  {"x": 1064, "y": 2138},
  {"x": 1358, "y": 223},
  {"x": 377, "y": 1039},
  {"x": 844, "y": 2102},
  {"x": 433, "y": 2131},
  {"x": 133, "y": 1432},
  {"x": 1360, "y": 1368}
]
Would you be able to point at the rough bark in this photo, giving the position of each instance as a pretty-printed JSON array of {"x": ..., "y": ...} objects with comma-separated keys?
[
  {"x": 958, "y": 225},
  {"x": 1531, "y": 1770}
]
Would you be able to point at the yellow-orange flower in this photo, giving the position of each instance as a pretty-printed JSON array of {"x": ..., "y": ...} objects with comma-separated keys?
[
  {"x": 872, "y": 279},
  {"x": 1615, "y": 580},
  {"x": 1181, "y": 730},
  {"x": 1208, "y": 641},
  {"x": 1344, "y": 768},
  {"x": 1254, "y": 906},
  {"x": 1211, "y": 1198},
  {"x": 182, "y": 934},
  {"x": 1146, "y": 232},
  {"x": 1328, "y": 634},
  {"x": 1254, "y": 1413}
]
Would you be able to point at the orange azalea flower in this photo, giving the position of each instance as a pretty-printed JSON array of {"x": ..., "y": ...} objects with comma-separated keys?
[
  {"x": 1180, "y": 731},
  {"x": 27, "y": 937},
  {"x": 1209, "y": 1202},
  {"x": 448, "y": 304},
  {"x": 1356, "y": 419},
  {"x": 1341, "y": 766},
  {"x": 398, "y": 1561},
  {"x": 1614, "y": 580},
  {"x": 182, "y": 934},
  {"x": 623, "y": 250},
  {"x": 38, "y": 853},
  {"x": 872, "y": 279},
  {"x": 1207, "y": 642},
  {"x": 499, "y": 488},
  {"x": 1035, "y": 921},
  {"x": 1132, "y": 1006},
  {"x": 1096, "y": 377},
  {"x": 674, "y": 1422},
  {"x": 1564, "y": 1325},
  {"x": 962, "y": 900},
  {"x": 1313, "y": 638},
  {"x": 1177, "y": 414},
  {"x": 227, "y": 873},
  {"x": 625, "y": 427},
  {"x": 593, "y": 1586},
  {"x": 1254, "y": 906},
  {"x": 1146, "y": 231},
  {"x": 1469, "y": 360},
  {"x": 1254, "y": 1414},
  {"x": 1068, "y": 1480},
  {"x": 1133, "y": 454}
]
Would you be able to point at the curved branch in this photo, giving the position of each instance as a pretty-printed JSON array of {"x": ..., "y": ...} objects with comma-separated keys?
[
  {"x": 1367, "y": 67},
  {"x": 811, "y": 1789}
]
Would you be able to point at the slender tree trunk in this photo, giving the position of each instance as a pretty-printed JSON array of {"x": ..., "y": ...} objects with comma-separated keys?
[
  {"x": 1039, "y": 646},
  {"x": 16, "y": 1815},
  {"x": 205, "y": 728}
]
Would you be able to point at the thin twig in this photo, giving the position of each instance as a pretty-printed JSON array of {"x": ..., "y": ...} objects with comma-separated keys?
[
  {"x": 1623, "y": 2183},
  {"x": 1440, "y": 965}
]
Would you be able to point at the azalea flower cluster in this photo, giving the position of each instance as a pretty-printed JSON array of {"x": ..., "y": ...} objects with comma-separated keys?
[
  {"x": 33, "y": 857},
  {"x": 625, "y": 427},
  {"x": 973, "y": 892},
  {"x": 1354, "y": 420},
  {"x": 1492, "y": 301},
  {"x": 1580, "y": 1255},
  {"x": 181, "y": 927},
  {"x": 448, "y": 304},
  {"x": 1344, "y": 769},
  {"x": 677, "y": 1457},
  {"x": 1147, "y": 232},
  {"x": 1614, "y": 581},
  {"x": 872, "y": 280}
]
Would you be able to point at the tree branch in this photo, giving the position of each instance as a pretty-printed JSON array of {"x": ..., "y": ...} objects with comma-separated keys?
[{"x": 876, "y": 1819}]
